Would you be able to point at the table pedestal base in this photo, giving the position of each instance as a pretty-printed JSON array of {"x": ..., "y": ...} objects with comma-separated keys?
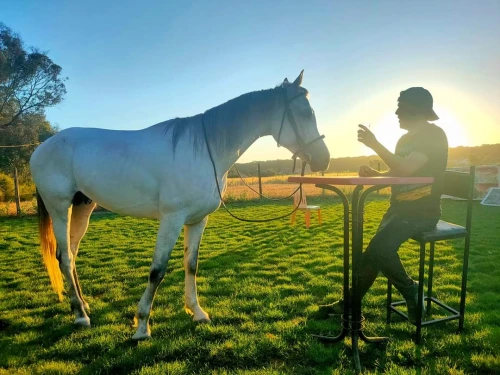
[
  {"x": 354, "y": 322},
  {"x": 355, "y": 334}
]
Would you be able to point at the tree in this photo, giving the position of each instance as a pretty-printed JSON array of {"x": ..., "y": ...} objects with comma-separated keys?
[
  {"x": 29, "y": 80},
  {"x": 29, "y": 130}
]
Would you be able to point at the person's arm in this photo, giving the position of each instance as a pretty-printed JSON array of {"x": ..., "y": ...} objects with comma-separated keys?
[
  {"x": 366, "y": 171},
  {"x": 398, "y": 166}
]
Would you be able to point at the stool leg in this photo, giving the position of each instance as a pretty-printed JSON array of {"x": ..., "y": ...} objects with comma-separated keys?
[
  {"x": 389, "y": 301},
  {"x": 319, "y": 216},
  {"x": 465, "y": 270},
  {"x": 420, "y": 292},
  {"x": 308, "y": 218},
  {"x": 429, "y": 281}
]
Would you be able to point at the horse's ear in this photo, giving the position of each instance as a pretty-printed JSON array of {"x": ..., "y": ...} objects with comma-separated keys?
[{"x": 298, "y": 81}]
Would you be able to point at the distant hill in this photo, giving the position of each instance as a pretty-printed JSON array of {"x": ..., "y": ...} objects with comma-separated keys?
[{"x": 457, "y": 156}]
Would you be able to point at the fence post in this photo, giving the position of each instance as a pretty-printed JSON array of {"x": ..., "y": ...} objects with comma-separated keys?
[
  {"x": 323, "y": 190},
  {"x": 260, "y": 180},
  {"x": 16, "y": 191}
]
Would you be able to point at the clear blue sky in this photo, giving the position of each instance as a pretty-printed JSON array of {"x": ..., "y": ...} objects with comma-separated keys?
[{"x": 132, "y": 64}]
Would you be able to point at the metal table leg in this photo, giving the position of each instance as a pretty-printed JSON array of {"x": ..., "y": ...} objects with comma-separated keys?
[
  {"x": 357, "y": 249},
  {"x": 359, "y": 202},
  {"x": 352, "y": 323},
  {"x": 345, "y": 317}
]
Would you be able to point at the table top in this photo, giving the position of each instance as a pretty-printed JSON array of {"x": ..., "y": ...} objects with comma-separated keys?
[{"x": 355, "y": 180}]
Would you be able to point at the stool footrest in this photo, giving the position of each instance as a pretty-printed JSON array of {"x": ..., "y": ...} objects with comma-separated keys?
[
  {"x": 452, "y": 313},
  {"x": 330, "y": 339}
]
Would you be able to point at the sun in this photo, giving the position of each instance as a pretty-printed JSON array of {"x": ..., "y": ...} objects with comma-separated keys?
[
  {"x": 454, "y": 129},
  {"x": 388, "y": 132}
]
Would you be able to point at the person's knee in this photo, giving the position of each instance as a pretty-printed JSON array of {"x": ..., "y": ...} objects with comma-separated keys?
[
  {"x": 377, "y": 247},
  {"x": 380, "y": 251},
  {"x": 370, "y": 256}
]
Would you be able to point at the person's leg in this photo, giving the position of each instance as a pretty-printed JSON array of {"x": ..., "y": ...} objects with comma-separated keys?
[
  {"x": 383, "y": 252},
  {"x": 382, "y": 255},
  {"x": 369, "y": 268}
]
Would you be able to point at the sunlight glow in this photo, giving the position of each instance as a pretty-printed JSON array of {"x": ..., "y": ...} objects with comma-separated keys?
[
  {"x": 463, "y": 116},
  {"x": 388, "y": 132},
  {"x": 453, "y": 128}
]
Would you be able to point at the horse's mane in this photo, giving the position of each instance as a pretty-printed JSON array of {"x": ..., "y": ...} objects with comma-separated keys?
[{"x": 225, "y": 123}]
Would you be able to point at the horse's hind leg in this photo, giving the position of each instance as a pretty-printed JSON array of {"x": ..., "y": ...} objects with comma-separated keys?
[
  {"x": 170, "y": 227},
  {"x": 79, "y": 224},
  {"x": 192, "y": 240},
  {"x": 60, "y": 222}
]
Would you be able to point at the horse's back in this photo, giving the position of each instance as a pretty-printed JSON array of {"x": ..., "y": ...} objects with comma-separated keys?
[
  {"x": 57, "y": 154},
  {"x": 98, "y": 162},
  {"x": 83, "y": 145},
  {"x": 129, "y": 172}
]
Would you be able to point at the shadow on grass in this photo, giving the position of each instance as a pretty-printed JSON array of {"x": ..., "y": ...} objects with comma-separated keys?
[{"x": 259, "y": 283}]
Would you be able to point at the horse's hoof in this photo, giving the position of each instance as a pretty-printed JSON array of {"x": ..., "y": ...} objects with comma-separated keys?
[
  {"x": 203, "y": 321},
  {"x": 141, "y": 336},
  {"x": 82, "y": 322}
]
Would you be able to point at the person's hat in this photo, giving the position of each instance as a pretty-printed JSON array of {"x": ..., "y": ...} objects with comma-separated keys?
[{"x": 418, "y": 100}]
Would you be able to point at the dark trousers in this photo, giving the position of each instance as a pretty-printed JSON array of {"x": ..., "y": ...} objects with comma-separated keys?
[{"x": 382, "y": 251}]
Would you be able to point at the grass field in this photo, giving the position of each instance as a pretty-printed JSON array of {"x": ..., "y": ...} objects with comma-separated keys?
[{"x": 260, "y": 283}]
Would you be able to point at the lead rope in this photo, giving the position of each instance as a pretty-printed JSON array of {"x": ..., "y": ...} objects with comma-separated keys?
[
  {"x": 262, "y": 195},
  {"x": 220, "y": 193}
]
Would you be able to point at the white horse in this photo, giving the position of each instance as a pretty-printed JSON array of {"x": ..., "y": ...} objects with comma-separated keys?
[{"x": 168, "y": 171}]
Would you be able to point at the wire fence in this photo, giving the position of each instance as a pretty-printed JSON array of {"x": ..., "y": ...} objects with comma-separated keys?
[{"x": 237, "y": 191}]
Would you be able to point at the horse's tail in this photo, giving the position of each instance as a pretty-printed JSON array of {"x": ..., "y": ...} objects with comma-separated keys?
[{"x": 49, "y": 248}]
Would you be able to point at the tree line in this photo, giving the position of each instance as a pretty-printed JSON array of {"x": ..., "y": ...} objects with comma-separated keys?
[
  {"x": 29, "y": 82},
  {"x": 457, "y": 156}
]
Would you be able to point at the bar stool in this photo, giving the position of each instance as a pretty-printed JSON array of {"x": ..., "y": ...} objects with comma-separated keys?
[{"x": 460, "y": 185}]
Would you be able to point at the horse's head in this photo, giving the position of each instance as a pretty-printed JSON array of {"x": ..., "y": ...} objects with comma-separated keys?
[{"x": 297, "y": 129}]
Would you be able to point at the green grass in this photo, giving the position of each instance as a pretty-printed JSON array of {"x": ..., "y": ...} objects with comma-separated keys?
[{"x": 260, "y": 283}]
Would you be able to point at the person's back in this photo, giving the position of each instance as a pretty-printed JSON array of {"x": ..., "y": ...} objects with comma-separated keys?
[{"x": 423, "y": 200}]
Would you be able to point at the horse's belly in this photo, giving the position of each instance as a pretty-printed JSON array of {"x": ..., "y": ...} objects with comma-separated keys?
[
  {"x": 137, "y": 208},
  {"x": 140, "y": 206},
  {"x": 127, "y": 191}
]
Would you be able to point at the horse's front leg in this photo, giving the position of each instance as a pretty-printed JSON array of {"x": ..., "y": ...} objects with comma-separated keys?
[
  {"x": 170, "y": 227},
  {"x": 192, "y": 240}
]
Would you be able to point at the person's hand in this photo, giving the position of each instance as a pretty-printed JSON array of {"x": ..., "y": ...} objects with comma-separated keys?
[
  {"x": 366, "y": 171},
  {"x": 366, "y": 137}
]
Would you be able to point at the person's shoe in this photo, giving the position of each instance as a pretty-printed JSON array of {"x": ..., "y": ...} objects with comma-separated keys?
[
  {"x": 411, "y": 297},
  {"x": 335, "y": 308}
]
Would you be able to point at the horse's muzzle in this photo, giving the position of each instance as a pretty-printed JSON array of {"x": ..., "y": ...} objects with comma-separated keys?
[{"x": 319, "y": 159}]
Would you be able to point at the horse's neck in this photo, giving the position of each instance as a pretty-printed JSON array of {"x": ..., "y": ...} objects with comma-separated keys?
[{"x": 251, "y": 118}]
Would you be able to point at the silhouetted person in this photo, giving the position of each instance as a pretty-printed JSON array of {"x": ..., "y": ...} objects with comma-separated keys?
[{"x": 421, "y": 152}]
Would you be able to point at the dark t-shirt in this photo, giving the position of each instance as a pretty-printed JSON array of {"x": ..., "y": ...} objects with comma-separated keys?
[{"x": 422, "y": 200}]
